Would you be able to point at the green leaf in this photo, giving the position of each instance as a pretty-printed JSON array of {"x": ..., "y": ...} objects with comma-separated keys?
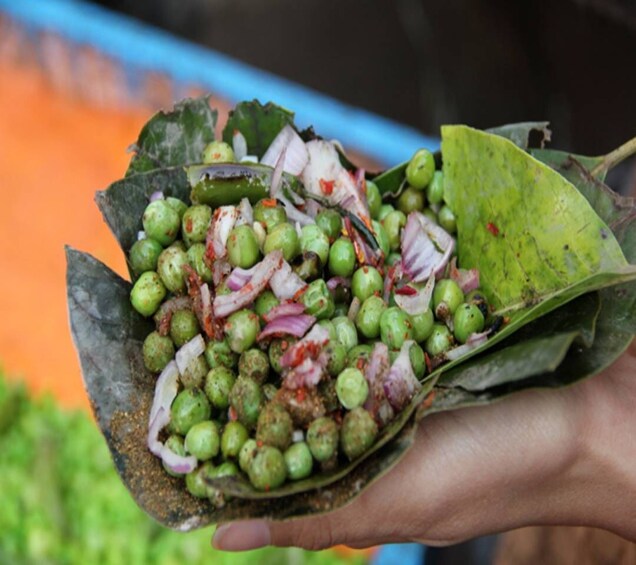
[
  {"x": 392, "y": 180},
  {"x": 259, "y": 124},
  {"x": 520, "y": 133},
  {"x": 561, "y": 161},
  {"x": 175, "y": 138}
]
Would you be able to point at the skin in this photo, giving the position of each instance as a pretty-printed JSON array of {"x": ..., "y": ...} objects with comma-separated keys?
[{"x": 576, "y": 468}]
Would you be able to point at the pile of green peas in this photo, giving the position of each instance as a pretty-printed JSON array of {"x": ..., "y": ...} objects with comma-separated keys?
[{"x": 230, "y": 412}]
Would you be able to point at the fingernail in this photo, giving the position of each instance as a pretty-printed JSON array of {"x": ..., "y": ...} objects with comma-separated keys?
[{"x": 241, "y": 536}]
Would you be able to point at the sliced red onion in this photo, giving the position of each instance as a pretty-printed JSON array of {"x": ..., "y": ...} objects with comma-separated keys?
[
  {"x": 158, "y": 195},
  {"x": 354, "y": 308},
  {"x": 284, "y": 309},
  {"x": 426, "y": 247},
  {"x": 305, "y": 375},
  {"x": 467, "y": 279},
  {"x": 286, "y": 284},
  {"x": 310, "y": 346},
  {"x": 334, "y": 282},
  {"x": 419, "y": 302},
  {"x": 224, "y": 305},
  {"x": 220, "y": 269},
  {"x": 221, "y": 225},
  {"x": 166, "y": 389},
  {"x": 246, "y": 214},
  {"x": 375, "y": 373},
  {"x": 288, "y": 325},
  {"x": 276, "y": 191},
  {"x": 189, "y": 352},
  {"x": 239, "y": 145},
  {"x": 160, "y": 421},
  {"x": 206, "y": 309},
  {"x": 400, "y": 385},
  {"x": 178, "y": 463},
  {"x": 141, "y": 235},
  {"x": 473, "y": 342},
  {"x": 289, "y": 143},
  {"x": 239, "y": 278}
]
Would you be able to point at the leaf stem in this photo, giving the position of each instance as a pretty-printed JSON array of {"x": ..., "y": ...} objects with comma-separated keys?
[{"x": 613, "y": 158}]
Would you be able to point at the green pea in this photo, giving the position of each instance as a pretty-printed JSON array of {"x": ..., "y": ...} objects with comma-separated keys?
[
  {"x": 322, "y": 438},
  {"x": 337, "y": 358},
  {"x": 268, "y": 470},
  {"x": 358, "y": 433},
  {"x": 218, "y": 152},
  {"x": 195, "y": 223},
  {"x": 246, "y": 399},
  {"x": 241, "y": 329},
  {"x": 310, "y": 267},
  {"x": 439, "y": 341},
  {"x": 242, "y": 247},
  {"x": 328, "y": 325},
  {"x": 393, "y": 224},
  {"x": 435, "y": 190},
  {"x": 358, "y": 356},
  {"x": 183, "y": 327},
  {"x": 420, "y": 169},
  {"x": 381, "y": 237},
  {"x": 170, "y": 268},
  {"x": 345, "y": 331},
  {"x": 374, "y": 199},
  {"x": 411, "y": 200},
  {"x": 285, "y": 238},
  {"x": 158, "y": 351},
  {"x": 219, "y": 354},
  {"x": 368, "y": 317},
  {"x": 277, "y": 349},
  {"x": 385, "y": 210},
  {"x": 144, "y": 255},
  {"x": 447, "y": 220},
  {"x": 218, "y": 385},
  {"x": 274, "y": 426},
  {"x": 194, "y": 481},
  {"x": 317, "y": 300},
  {"x": 298, "y": 461},
  {"x": 234, "y": 436},
  {"x": 366, "y": 282},
  {"x": 161, "y": 222},
  {"x": 202, "y": 440},
  {"x": 392, "y": 259},
  {"x": 254, "y": 363},
  {"x": 446, "y": 291},
  {"x": 269, "y": 213},
  {"x": 330, "y": 222},
  {"x": 422, "y": 325},
  {"x": 190, "y": 407},
  {"x": 312, "y": 238},
  {"x": 194, "y": 373},
  {"x": 196, "y": 254},
  {"x": 147, "y": 293},
  {"x": 175, "y": 443},
  {"x": 247, "y": 454},
  {"x": 179, "y": 206},
  {"x": 396, "y": 327},
  {"x": 342, "y": 258},
  {"x": 418, "y": 361},
  {"x": 467, "y": 320},
  {"x": 265, "y": 302},
  {"x": 352, "y": 388},
  {"x": 225, "y": 469}
]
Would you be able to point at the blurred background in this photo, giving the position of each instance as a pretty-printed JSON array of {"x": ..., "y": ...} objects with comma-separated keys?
[{"x": 77, "y": 81}]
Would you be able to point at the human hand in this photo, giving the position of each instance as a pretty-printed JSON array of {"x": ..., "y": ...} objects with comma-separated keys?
[{"x": 538, "y": 457}]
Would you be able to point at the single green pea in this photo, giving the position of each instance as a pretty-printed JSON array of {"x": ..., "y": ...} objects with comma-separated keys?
[
  {"x": 219, "y": 354},
  {"x": 310, "y": 268},
  {"x": 277, "y": 349},
  {"x": 194, "y": 374},
  {"x": 366, "y": 281},
  {"x": 439, "y": 341},
  {"x": 358, "y": 433},
  {"x": 147, "y": 293},
  {"x": 161, "y": 222},
  {"x": 170, "y": 268},
  {"x": 298, "y": 461},
  {"x": 225, "y": 469},
  {"x": 218, "y": 385},
  {"x": 144, "y": 255},
  {"x": 467, "y": 320},
  {"x": 431, "y": 215},
  {"x": 435, "y": 190},
  {"x": 337, "y": 358},
  {"x": 342, "y": 258},
  {"x": 448, "y": 292},
  {"x": 322, "y": 438},
  {"x": 246, "y": 398},
  {"x": 241, "y": 329},
  {"x": 374, "y": 199},
  {"x": 368, "y": 317},
  {"x": 352, "y": 388},
  {"x": 392, "y": 259},
  {"x": 254, "y": 363},
  {"x": 183, "y": 326},
  {"x": 269, "y": 213},
  {"x": 157, "y": 351},
  {"x": 234, "y": 436},
  {"x": 202, "y": 440},
  {"x": 418, "y": 361},
  {"x": 242, "y": 247},
  {"x": 393, "y": 224},
  {"x": 274, "y": 426},
  {"x": 312, "y": 238},
  {"x": 345, "y": 331},
  {"x": 195, "y": 223},
  {"x": 218, "y": 152},
  {"x": 328, "y": 325},
  {"x": 317, "y": 300},
  {"x": 247, "y": 454},
  {"x": 385, "y": 210},
  {"x": 396, "y": 327},
  {"x": 190, "y": 407},
  {"x": 283, "y": 237},
  {"x": 381, "y": 237},
  {"x": 447, "y": 219},
  {"x": 269, "y": 391},
  {"x": 194, "y": 480},
  {"x": 420, "y": 169},
  {"x": 411, "y": 200},
  {"x": 175, "y": 444},
  {"x": 330, "y": 222},
  {"x": 422, "y": 325},
  {"x": 196, "y": 255},
  {"x": 265, "y": 302},
  {"x": 179, "y": 206},
  {"x": 268, "y": 470},
  {"x": 358, "y": 356}
]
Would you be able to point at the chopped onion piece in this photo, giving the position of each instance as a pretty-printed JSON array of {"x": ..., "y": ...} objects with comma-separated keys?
[
  {"x": 354, "y": 308},
  {"x": 375, "y": 373},
  {"x": 246, "y": 214},
  {"x": 401, "y": 384},
  {"x": 189, "y": 351},
  {"x": 284, "y": 309},
  {"x": 286, "y": 284},
  {"x": 178, "y": 463},
  {"x": 473, "y": 342},
  {"x": 158, "y": 195},
  {"x": 166, "y": 389},
  {"x": 467, "y": 279},
  {"x": 160, "y": 421},
  {"x": 221, "y": 225},
  {"x": 239, "y": 145},
  {"x": 239, "y": 278},
  {"x": 335, "y": 282},
  {"x": 305, "y": 375},
  {"x": 288, "y": 325},
  {"x": 419, "y": 302},
  {"x": 291, "y": 145}
]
